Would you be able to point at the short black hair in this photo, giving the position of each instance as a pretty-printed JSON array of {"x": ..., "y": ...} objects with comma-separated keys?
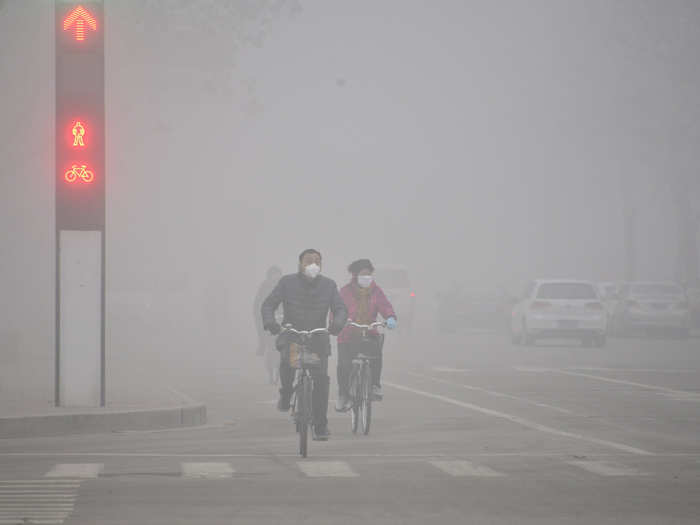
[
  {"x": 309, "y": 250},
  {"x": 361, "y": 264}
]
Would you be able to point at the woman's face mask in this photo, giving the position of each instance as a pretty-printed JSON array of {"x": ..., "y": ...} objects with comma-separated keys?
[
  {"x": 364, "y": 281},
  {"x": 312, "y": 270}
]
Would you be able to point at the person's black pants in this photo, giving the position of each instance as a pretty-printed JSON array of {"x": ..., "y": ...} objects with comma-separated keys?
[
  {"x": 347, "y": 352},
  {"x": 321, "y": 386}
]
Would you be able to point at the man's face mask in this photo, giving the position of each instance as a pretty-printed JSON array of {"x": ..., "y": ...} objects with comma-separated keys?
[
  {"x": 364, "y": 281},
  {"x": 312, "y": 270}
]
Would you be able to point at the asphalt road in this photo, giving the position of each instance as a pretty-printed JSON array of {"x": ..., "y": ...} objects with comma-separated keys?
[{"x": 472, "y": 430}]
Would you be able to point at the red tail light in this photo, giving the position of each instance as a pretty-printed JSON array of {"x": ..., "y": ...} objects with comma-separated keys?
[
  {"x": 540, "y": 305},
  {"x": 413, "y": 294},
  {"x": 594, "y": 306}
]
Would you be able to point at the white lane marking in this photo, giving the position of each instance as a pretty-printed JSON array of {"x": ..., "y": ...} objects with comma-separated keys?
[
  {"x": 450, "y": 369},
  {"x": 326, "y": 469},
  {"x": 606, "y": 468},
  {"x": 465, "y": 468},
  {"x": 37, "y": 501},
  {"x": 75, "y": 470},
  {"x": 492, "y": 393},
  {"x": 48, "y": 483},
  {"x": 34, "y": 493},
  {"x": 207, "y": 470},
  {"x": 601, "y": 369},
  {"x": 682, "y": 393},
  {"x": 682, "y": 397},
  {"x": 524, "y": 422},
  {"x": 4, "y": 521},
  {"x": 35, "y": 504}
]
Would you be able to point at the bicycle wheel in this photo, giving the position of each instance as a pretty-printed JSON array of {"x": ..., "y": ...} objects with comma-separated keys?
[
  {"x": 353, "y": 392},
  {"x": 304, "y": 400},
  {"x": 366, "y": 399}
]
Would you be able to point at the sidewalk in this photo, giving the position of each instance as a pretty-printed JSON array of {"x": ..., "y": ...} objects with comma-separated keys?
[{"x": 134, "y": 402}]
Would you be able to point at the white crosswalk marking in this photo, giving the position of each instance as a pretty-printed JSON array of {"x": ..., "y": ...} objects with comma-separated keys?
[
  {"x": 461, "y": 468},
  {"x": 607, "y": 468},
  {"x": 326, "y": 469},
  {"x": 44, "y": 501},
  {"x": 207, "y": 470},
  {"x": 75, "y": 470}
]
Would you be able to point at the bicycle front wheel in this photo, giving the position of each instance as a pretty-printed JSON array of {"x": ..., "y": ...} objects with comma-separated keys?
[
  {"x": 354, "y": 395},
  {"x": 304, "y": 416},
  {"x": 366, "y": 406}
]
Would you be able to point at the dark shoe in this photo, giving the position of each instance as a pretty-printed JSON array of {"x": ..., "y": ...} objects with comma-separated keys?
[
  {"x": 377, "y": 393},
  {"x": 321, "y": 433},
  {"x": 283, "y": 403}
]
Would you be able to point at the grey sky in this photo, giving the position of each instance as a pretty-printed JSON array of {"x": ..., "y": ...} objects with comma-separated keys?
[{"x": 482, "y": 142}]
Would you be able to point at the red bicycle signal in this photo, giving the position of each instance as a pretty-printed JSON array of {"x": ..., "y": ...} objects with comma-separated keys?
[{"x": 79, "y": 172}]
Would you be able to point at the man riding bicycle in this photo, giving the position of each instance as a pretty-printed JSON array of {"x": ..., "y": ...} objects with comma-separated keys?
[
  {"x": 364, "y": 300},
  {"x": 306, "y": 298}
]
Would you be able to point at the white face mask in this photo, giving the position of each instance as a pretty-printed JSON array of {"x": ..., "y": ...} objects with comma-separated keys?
[
  {"x": 312, "y": 270},
  {"x": 365, "y": 281}
]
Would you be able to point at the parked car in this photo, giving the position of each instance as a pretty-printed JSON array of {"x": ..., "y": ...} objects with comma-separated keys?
[
  {"x": 644, "y": 306},
  {"x": 609, "y": 292},
  {"x": 559, "y": 308}
]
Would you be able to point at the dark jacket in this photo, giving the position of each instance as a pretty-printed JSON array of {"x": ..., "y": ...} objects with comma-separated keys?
[{"x": 306, "y": 305}]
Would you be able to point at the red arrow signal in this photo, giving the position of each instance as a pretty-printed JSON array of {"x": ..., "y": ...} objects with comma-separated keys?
[{"x": 77, "y": 19}]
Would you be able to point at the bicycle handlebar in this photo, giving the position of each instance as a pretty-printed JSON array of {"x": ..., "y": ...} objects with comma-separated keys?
[
  {"x": 367, "y": 326},
  {"x": 293, "y": 330}
]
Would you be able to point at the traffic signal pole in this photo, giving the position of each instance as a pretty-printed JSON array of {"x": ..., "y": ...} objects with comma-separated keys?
[{"x": 80, "y": 204}]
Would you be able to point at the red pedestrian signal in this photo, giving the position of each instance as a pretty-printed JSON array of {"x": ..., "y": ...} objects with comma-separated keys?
[{"x": 78, "y": 132}]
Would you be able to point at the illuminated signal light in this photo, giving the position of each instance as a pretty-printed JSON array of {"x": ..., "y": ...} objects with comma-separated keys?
[
  {"x": 78, "y": 132},
  {"x": 79, "y": 172},
  {"x": 77, "y": 20}
]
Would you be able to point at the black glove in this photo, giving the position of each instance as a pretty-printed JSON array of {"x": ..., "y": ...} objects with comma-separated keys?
[
  {"x": 274, "y": 328},
  {"x": 335, "y": 329}
]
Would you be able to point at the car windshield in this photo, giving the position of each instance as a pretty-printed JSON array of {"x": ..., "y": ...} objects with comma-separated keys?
[
  {"x": 566, "y": 291},
  {"x": 392, "y": 278},
  {"x": 655, "y": 289}
]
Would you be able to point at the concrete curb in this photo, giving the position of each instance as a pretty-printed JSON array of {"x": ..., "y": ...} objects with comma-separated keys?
[{"x": 96, "y": 422}]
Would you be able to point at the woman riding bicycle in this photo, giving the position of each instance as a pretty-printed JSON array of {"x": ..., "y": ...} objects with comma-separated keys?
[{"x": 364, "y": 300}]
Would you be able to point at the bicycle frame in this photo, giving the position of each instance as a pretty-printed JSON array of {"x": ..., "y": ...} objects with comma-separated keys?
[
  {"x": 361, "y": 383},
  {"x": 302, "y": 396}
]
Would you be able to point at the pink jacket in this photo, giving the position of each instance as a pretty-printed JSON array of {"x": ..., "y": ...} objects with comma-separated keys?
[{"x": 378, "y": 304}]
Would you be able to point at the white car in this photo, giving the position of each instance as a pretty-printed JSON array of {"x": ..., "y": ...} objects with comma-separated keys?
[
  {"x": 559, "y": 308},
  {"x": 608, "y": 292},
  {"x": 647, "y": 305}
]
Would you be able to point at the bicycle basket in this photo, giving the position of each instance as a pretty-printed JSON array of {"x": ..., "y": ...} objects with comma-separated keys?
[{"x": 300, "y": 357}]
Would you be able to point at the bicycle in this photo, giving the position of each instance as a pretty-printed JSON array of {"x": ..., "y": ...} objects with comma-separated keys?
[
  {"x": 304, "y": 361},
  {"x": 361, "y": 381}
]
